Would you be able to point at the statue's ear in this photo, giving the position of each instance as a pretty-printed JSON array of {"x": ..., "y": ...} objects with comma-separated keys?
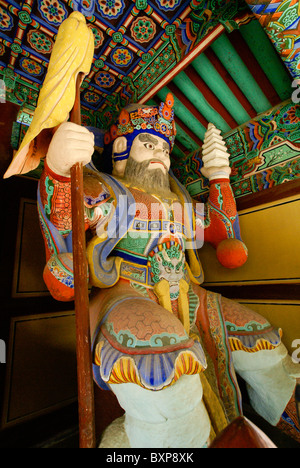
[{"x": 119, "y": 147}]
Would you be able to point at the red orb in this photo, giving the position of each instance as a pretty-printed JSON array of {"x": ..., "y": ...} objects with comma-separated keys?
[{"x": 232, "y": 253}]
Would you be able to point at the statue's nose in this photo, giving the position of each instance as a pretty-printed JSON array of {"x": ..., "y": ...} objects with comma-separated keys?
[{"x": 159, "y": 153}]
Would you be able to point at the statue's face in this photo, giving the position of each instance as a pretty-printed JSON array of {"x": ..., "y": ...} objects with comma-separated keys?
[{"x": 148, "y": 147}]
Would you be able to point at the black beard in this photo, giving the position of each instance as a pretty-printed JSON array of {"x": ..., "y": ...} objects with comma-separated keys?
[{"x": 138, "y": 174}]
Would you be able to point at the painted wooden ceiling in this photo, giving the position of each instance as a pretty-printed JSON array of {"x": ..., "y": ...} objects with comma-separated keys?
[{"x": 211, "y": 54}]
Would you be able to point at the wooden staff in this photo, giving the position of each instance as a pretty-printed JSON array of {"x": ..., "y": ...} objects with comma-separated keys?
[{"x": 83, "y": 339}]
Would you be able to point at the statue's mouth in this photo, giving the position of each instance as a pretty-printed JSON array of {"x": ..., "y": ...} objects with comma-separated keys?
[
  {"x": 156, "y": 161},
  {"x": 173, "y": 284}
]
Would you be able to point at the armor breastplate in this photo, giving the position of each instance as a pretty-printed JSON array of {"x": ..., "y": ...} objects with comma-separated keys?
[
  {"x": 139, "y": 224},
  {"x": 155, "y": 221},
  {"x": 154, "y": 245}
]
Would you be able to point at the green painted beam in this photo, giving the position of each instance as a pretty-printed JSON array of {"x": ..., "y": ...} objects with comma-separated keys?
[
  {"x": 240, "y": 73},
  {"x": 185, "y": 139},
  {"x": 191, "y": 91},
  {"x": 151, "y": 102},
  {"x": 178, "y": 153},
  {"x": 267, "y": 57},
  {"x": 209, "y": 74},
  {"x": 184, "y": 115}
]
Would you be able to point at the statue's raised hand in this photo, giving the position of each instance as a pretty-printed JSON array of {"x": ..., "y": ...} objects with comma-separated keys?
[
  {"x": 215, "y": 155},
  {"x": 70, "y": 144}
]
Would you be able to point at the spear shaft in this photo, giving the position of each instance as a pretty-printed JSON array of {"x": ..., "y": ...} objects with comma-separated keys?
[{"x": 83, "y": 340}]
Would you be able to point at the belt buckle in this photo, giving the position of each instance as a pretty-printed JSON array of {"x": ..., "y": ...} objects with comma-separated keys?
[{"x": 167, "y": 262}]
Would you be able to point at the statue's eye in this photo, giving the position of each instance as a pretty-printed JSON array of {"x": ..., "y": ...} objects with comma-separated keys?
[
  {"x": 149, "y": 146},
  {"x": 168, "y": 269}
]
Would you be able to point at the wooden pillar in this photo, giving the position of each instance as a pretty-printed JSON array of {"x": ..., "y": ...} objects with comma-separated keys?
[{"x": 281, "y": 22}]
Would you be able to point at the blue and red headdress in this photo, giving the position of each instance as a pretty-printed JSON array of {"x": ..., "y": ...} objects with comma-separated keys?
[{"x": 157, "y": 120}]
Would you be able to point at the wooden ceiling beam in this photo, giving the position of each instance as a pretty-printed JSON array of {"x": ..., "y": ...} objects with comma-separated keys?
[
  {"x": 249, "y": 59},
  {"x": 182, "y": 125},
  {"x": 230, "y": 82},
  {"x": 185, "y": 150},
  {"x": 188, "y": 104},
  {"x": 189, "y": 132},
  {"x": 210, "y": 97}
]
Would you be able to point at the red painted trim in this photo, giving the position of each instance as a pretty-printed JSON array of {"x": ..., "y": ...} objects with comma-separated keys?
[
  {"x": 242, "y": 48},
  {"x": 230, "y": 83},
  {"x": 210, "y": 97},
  {"x": 55, "y": 176},
  {"x": 184, "y": 62}
]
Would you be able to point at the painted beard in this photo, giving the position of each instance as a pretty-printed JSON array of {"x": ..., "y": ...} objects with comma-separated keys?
[{"x": 155, "y": 181}]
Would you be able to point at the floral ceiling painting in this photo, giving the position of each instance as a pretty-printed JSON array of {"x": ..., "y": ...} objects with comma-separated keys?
[
  {"x": 229, "y": 62},
  {"x": 136, "y": 44}
]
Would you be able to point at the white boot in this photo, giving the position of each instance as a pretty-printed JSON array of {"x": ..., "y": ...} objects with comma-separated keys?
[
  {"x": 271, "y": 379},
  {"x": 174, "y": 417}
]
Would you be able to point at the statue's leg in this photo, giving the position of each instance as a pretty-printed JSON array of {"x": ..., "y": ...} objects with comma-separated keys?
[
  {"x": 173, "y": 417},
  {"x": 262, "y": 360},
  {"x": 144, "y": 355}
]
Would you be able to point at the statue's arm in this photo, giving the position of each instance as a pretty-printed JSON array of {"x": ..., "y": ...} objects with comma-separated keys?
[
  {"x": 220, "y": 218},
  {"x": 69, "y": 145},
  {"x": 54, "y": 208}
]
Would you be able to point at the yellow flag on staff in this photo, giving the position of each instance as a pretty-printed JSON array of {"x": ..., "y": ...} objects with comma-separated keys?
[{"x": 72, "y": 54}]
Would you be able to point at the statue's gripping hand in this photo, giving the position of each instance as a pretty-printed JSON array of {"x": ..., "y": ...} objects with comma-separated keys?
[
  {"x": 70, "y": 144},
  {"x": 215, "y": 155}
]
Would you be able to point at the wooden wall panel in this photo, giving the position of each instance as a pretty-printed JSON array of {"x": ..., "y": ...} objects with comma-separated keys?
[
  {"x": 269, "y": 282},
  {"x": 271, "y": 233},
  {"x": 30, "y": 254},
  {"x": 42, "y": 366}
]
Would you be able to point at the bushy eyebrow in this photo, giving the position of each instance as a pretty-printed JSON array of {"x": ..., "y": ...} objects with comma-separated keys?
[{"x": 147, "y": 137}]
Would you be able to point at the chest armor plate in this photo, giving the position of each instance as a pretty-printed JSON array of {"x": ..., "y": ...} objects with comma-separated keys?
[{"x": 156, "y": 221}]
